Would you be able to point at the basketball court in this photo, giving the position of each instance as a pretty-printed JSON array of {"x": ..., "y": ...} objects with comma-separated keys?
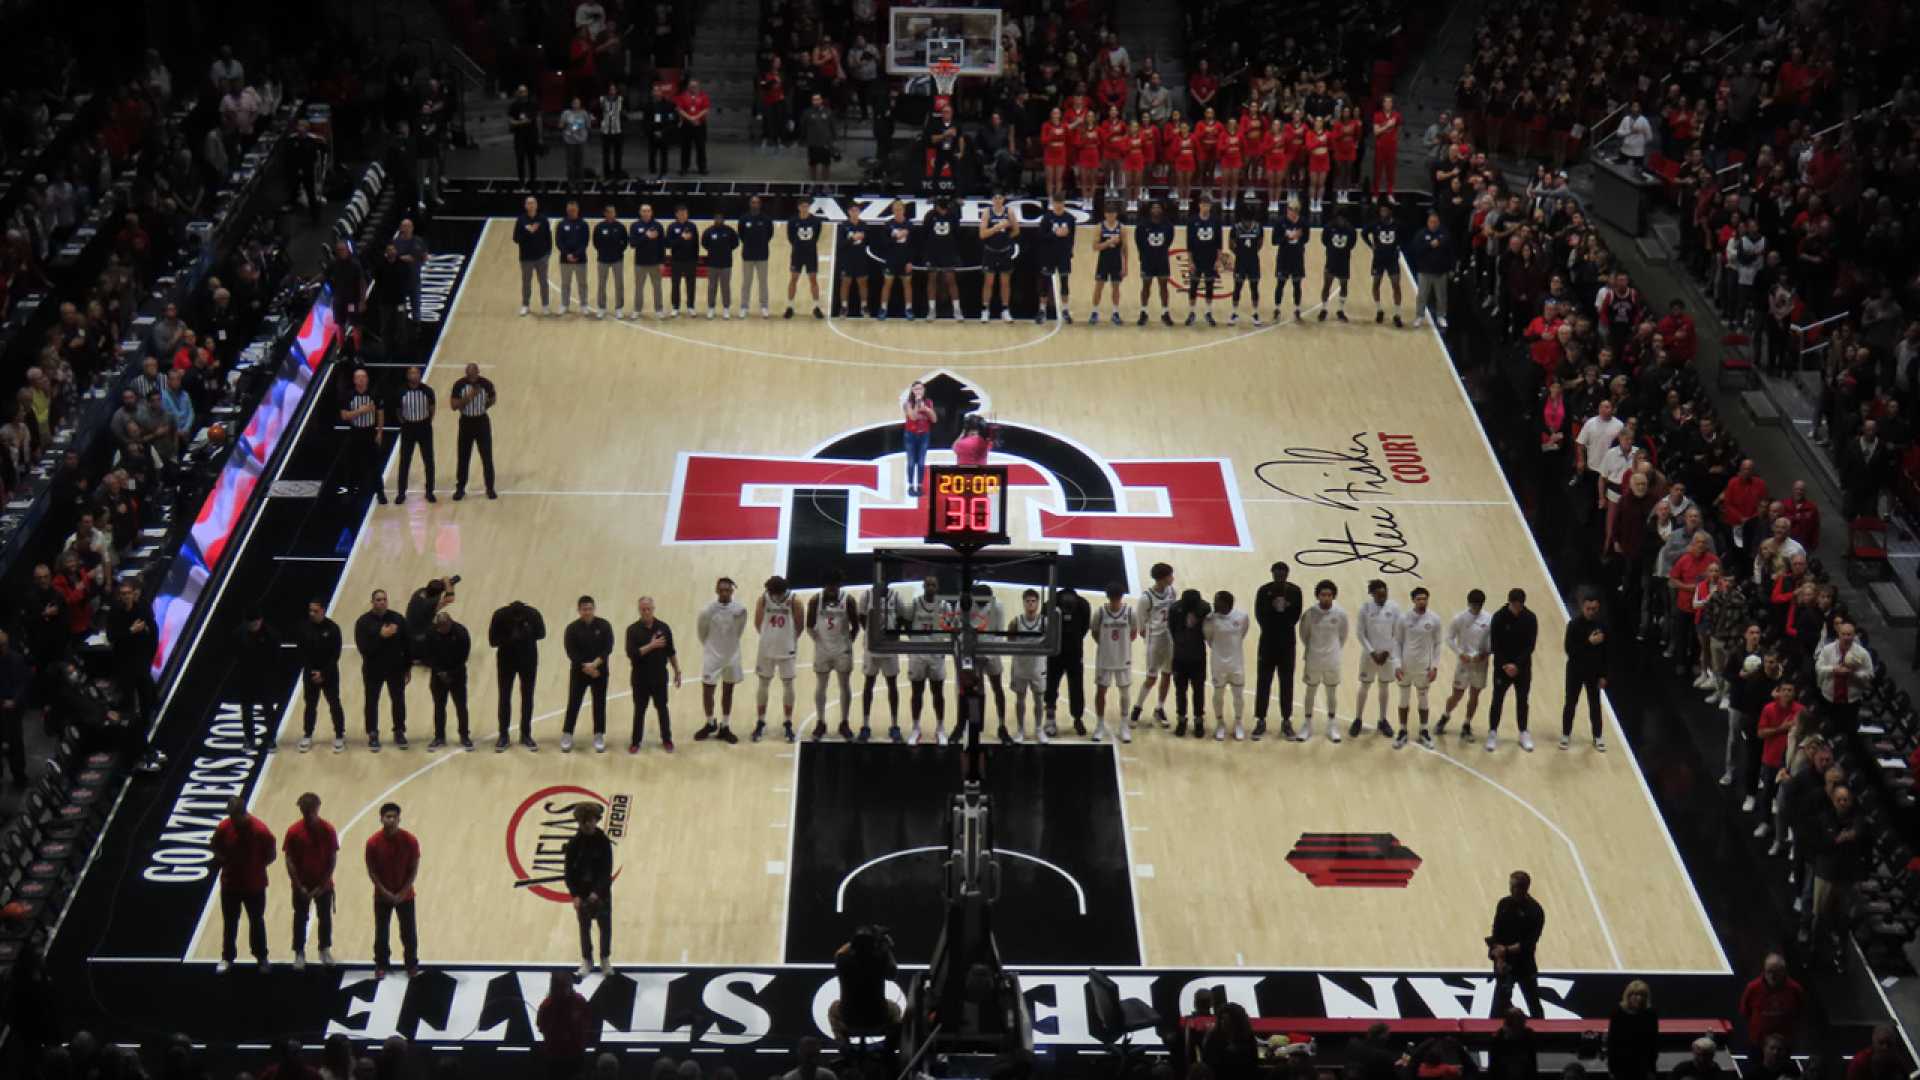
[{"x": 650, "y": 458}]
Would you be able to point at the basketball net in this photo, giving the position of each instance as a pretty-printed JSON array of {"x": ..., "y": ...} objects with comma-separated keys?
[{"x": 945, "y": 74}]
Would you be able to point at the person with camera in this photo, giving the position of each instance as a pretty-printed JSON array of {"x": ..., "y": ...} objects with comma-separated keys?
[
  {"x": 864, "y": 966},
  {"x": 422, "y": 607},
  {"x": 588, "y": 856},
  {"x": 447, "y": 649}
]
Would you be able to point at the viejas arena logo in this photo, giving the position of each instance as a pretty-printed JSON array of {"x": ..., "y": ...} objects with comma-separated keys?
[
  {"x": 830, "y": 509},
  {"x": 538, "y": 832}
]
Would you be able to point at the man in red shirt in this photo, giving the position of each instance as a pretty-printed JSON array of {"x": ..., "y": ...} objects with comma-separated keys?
[
  {"x": 1386, "y": 147},
  {"x": 566, "y": 1026},
  {"x": 393, "y": 861},
  {"x": 1883, "y": 1060},
  {"x": 1677, "y": 332},
  {"x": 692, "y": 106},
  {"x": 1740, "y": 504},
  {"x": 242, "y": 851},
  {"x": 1773, "y": 1003},
  {"x": 1804, "y": 513},
  {"x": 312, "y": 850}
]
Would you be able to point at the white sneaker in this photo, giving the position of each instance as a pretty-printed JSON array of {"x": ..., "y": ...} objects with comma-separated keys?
[
  {"x": 222, "y": 967},
  {"x": 589, "y": 309},
  {"x": 1746, "y": 807},
  {"x": 1306, "y": 730},
  {"x": 1565, "y": 742},
  {"x": 299, "y": 961},
  {"x": 523, "y": 311},
  {"x": 913, "y": 737},
  {"x": 1020, "y": 732},
  {"x": 566, "y": 743},
  {"x": 1492, "y": 742},
  {"x": 709, "y": 314},
  {"x": 1726, "y": 779},
  {"x": 984, "y": 317},
  {"x": 619, "y": 316},
  {"x": 1100, "y": 731},
  {"x": 1526, "y": 741},
  {"x": 306, "y": 744},
  {"x": 1239, "y": 732},
  {"x": 546, "y": 309},
  {"x": 606, "y": 966},
  {"x": 599, "y": 743},
  {"x": 1040, "y": 734},
  {"x": 585, "y": 969},
  {"x": 1006, "y": 316},
  {"x": 1600, "y": 744},
  {"x": 563, "y": 309},
  {"x": 1126, "y": 733},
  {"x": 1219, "y": 733},
  {"x": 1761, "y": 830},
  {"x": 1701, "y": 681},
  {"x": 339, "y": 746},
  {"x": 326, "y": 957},
  {"x": 725, "y": 314},
  {"x": 1333, "y": 730},
  {"x": 764, "y": 313}
]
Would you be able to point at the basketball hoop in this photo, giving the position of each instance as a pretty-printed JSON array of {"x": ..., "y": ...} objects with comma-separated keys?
[{"x": 945, "y": 74}]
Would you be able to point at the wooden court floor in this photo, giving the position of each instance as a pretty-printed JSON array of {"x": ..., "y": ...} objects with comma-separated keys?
[{"x": 592, "y": 420}]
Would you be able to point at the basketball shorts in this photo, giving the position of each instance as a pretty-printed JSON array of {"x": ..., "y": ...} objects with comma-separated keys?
[
  {"x": 819, "y": 155},
  {"x": 1107, "y": 270},
  {"x": 1471, "y": 674},
  {"x": 1230, "y": 674},
  {"x": 841, "y": 662},
  {"x": 988, "y": 665},
  {"x": 713, "y": 672},
  {"x": 1205, "y": 267},
  {"x": 888, "y": 666},
  {"x": 1051, "y": 265},
  {"x": 1413, "y": 678},
  {"x": 1321, "y": 675},
  {"x": 1113, "y": 676},
  {"x": 768, "y": 666},
  {"x": 924, "y": 668},
  {"x": 1159, "y": 654},
  {"x": 1414, "y": 685},
  {"x": 1246, "y": 270},
  {"x": 1383, "y": 267},
  {"x": 854, "y": 264},
  {"x": 996, "y": 262},
  {"x": 1030, "y": 677},
  {"x": 807, "y": 263},
  {"x": 897, "y": 267},
  {"x": 1342, "y": 271},
  {"x": 1284, "y": 271},
  {"x": 1158, "y": 268},
  {"x": 1372, "y": 672},
  {"x": 941, "y": 260}
]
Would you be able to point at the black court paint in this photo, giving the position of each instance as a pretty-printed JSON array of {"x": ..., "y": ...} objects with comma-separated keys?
[{"x": 870, "y": 842}]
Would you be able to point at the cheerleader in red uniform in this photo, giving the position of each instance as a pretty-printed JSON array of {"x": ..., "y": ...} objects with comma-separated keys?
[
  {"x": 1346, "y": 149},
  {"x": 1232, "y": 160},
  {"x": 1149, "y": 157},
  {"x": 1077, "y": 105},
  {"x": 1319, "y": 161},
  {"x": 1297, "y": 140},
  {"x": 1206, "y": 144},
  {"x": 1186, "y": 156},
  {"x": 1169, "y": 136},
  {"x": 1253, "y": 137},
  {"x": 1054, "y": 141},
  {"x": 1279, "y": 162},
  {"x": 1113, "y": 149},
  {"x": 1087, "y": 155},
  {"x": 1133, "y": 162}
]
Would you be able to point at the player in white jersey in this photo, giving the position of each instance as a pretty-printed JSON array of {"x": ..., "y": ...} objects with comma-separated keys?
[
  {"x": 1323, "y": 633},
  {"x": 881, "y": 665},
  {"x": 719, "y": 628},
  {"x": 986, "y": 615},
  {"x": 1470, "y": 636},
  {"x": 1416, "y": 662},
  {"x": 1029, "y": 673},
  {"x": 1150, "y": 614},
  {"x": 1114, "y": 627},
  {"x": 1226, "y": 631},
  {"x": 921, "y": 613},
  {"x": 777, "y": 618},
  {"x": 1375, "y": 625},
  {"x": 833, "y": 622}
]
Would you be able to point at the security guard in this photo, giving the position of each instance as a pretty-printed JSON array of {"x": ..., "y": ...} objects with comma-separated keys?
[{"x": 473, "y": 397}]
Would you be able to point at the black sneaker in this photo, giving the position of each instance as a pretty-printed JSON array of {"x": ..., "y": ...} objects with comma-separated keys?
[
  {"x": 466, "y": 742},
  {"x": 1133, "y": 718},
  {"x": 381, "y": 497},
  {"x": 1380, "y": 316},
  {"x": 1397, "y": 322},
  {"x": 893, "y": 734},
  {"x": 1341, "y": 315},
  {"x": 1067, "y": 317},
  {"x": 1286, "y": 730},
  {"x": 818, "y": 314},
  {"x": 1143, "y": 318},
  {"x": 400, "y": 742},
  {"x": 1166, "y": 319},
  {"x": 1426, "y": 739},
  {"x": 1210, "y": 321},
  {"x": 1400, "y": 740},
  {"x": 1323, "y": 315},
  {"x": 786, "y": 729},
  {"x": 459, "y": 493},
  {"x": 866, "y": 733},
  {"x": 759, "y": 729},
  {"x": 1079, "y": 727},
  {"x": 1191, "y": 316},
  {"x": 1259, "y": 729},
  {"x": 501, "y": 744},
  {"x": 959, "y": 734},
  {"x": 1180, "y": 727},
  {"x": 1441, "y": 727},
  {"x": 727, "y": 736},
  {"x": 819, "y": 731},
  {"x": 707, "y": 732},
  {"x": 1353, "y": 732},
  {"x": 1160, "y": 716},
  {"x": 846, "y": 731},
  {"x": 1199, "y": 727},
  {"x": 1006, "y": 737},
  {"x": 436, "y": 743},
  {"x": 1383, "y": 728},
  {"x": 430, "y": 497},
  {"x": 527, "y": 742},
  {"x": 788, "y": 315}
]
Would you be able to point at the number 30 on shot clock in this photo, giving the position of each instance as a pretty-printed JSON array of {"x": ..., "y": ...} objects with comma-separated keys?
[{"x": 967, "y": 506}]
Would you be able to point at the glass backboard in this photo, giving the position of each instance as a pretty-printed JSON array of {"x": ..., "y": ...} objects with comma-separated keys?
[{"x": 917, "y": 36}]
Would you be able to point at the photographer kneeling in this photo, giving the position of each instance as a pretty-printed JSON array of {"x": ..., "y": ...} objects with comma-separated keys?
[{"x": 865, "y": 966}]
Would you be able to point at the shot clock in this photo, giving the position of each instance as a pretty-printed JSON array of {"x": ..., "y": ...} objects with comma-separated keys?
[{"x": 966, "y": 506}]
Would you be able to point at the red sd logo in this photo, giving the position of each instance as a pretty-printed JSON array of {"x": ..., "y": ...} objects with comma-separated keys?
[{"x": 538, "y": 832}]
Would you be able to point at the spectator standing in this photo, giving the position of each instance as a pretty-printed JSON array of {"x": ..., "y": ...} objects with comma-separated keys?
[
  {"x": 1842, "y": 844},
  {"x": 817, "y": 130},
  {"x": 588, "y": 858},
  {"x": 16, "y": 679},
  {"x": 130, "y": 631},
  {"x": 1586, "y": 650},
  {"x": 1844, "y": 669},
  {"x": 533, "y": 235},
  {"x": 1773, "y": 1003},
  {"x": 1635, "y": 132},
  {"x": 393, "y": 862},
  {"x": 662, "y": 129},
  {"x": 1863, "y": 464},
  {"x": 576, "y": 124},
  {"x": 1633, "y": 1035},
  {"x": 567, "y": 1027},
  {"x": 613, "y": 133},
  {"x": 1880, "y": 1060},
  {"x": 242, "y": 850},
  {"x": 312, "y": 849},
  {"x": 863, "y": 71},
  {"x": 523, "y": 120},
  {"x": 693, "y": 107},
  {"x": 572, "y": 237}
]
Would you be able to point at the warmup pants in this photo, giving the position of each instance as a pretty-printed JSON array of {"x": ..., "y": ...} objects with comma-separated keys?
[
  {"x": 644, "y": 277},
  {"x": 655, "y": 695},
  {"x": 693, "y": 143},
  {"x": 1576, "y": 683},
  {"x": 577, "y": 687},
  {"x": 603, "y": 271},
  {"x": 396, "y": 686},
  {"x": 232, "y": 905},
  {"x": 683, "y": 278},
  {"x": 1432, "y": 296},
  {"x": 720, "y": 283},
  {"x": 454, "y": 687},
  {"x": 530, "y": 269},
  {"x": 601, "y": 913},
  {"x": 1073, "y": 669},
  {"x": 753, "y": 271},
  {"x": 507, "y": 674},
  {"x": 1280, "y": 665},
  {"x": 573, "y": 275},
  {"x": 1520, "y": 684}
]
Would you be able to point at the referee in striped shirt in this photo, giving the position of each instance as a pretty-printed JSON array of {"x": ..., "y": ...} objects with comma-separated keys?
[
  {"x": 366, "y": 424},
  {"x": 414, "y": 406},
  {"x": 472, "y": 396}
]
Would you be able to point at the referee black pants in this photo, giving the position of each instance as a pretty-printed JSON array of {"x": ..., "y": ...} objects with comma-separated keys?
[
  {"x": 655, "y": 694},
  {"x": 414, "y": 435},
  {"x": 363, "y": 459},
  {"x": 1073, "y": 670},
  {"x": 1278, "y": 664},
  {"x": 475, "y": 431}
]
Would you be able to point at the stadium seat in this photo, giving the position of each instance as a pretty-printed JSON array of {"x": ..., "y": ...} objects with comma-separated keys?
[{"x": 1867, "y": 550}]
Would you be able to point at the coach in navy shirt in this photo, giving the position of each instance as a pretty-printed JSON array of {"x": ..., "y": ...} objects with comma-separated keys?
[
  {"x": 756, "y": 237},
  {"x": 534, "y": 237},
  {"x": 683, "y": 258},
  {"x": 610, "y": 253},
  {"x": 571, "y": 236},
  {"x": 720, "y": 241},
  {"x": 648, "y": 239},
  {"x": 1432, "y": 256}
]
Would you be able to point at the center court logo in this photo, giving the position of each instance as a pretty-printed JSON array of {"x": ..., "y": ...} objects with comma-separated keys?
[
  {"x": 538, "y": 832},
  {"x": 829, "y": 510}
]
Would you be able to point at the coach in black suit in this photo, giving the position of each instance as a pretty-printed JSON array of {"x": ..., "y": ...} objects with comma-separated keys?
[
  {"x": 1276, "y": 607},
  {"x": 1075, "y": 616}
]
